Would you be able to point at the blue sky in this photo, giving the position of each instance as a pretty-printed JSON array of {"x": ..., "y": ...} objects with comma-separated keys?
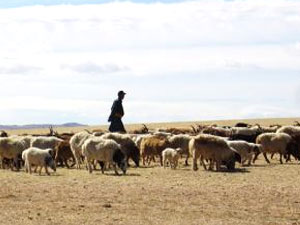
[
  {"x": 21, "y": 3},
  {"x": 189, "y": 60}
]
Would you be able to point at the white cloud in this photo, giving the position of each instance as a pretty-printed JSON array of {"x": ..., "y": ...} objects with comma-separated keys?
[{"x": 170, "y": 54}]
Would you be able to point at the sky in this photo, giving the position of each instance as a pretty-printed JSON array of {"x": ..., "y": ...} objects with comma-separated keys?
[{"x": 65, "y": 61}]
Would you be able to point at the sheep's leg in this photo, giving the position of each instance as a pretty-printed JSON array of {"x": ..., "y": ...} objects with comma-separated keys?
[
  {"x": 35, "y": 169},
  {"x": 165, "y": 162},
  {"x": 46, "y": 169},
  {"x": 29, "y": 167},
  {"x": 160, "y": 159},
  {"x": 175, "y": 163},
  {"x": 211, "y": 164},
  {"x": 40, "y": 171},
  {"x": 255, "y": 157},
  {"x": 288, "y": 158},
  {"x": 280, "y": 158},
  {"x": 77, "y": 158},
  {"x": 26, "y": 167},
  {"x": 272, "y": 155},
  {"x": 195, "y": 167},
  {"x": 88, "y": 163},
  {"x": 66, "y": 163},
  {"x": 218, "y": 165},
  {"x": 203, "y": 163},
  {"x": 186, "y": 163},
  {"x": 266, "y": 158},
  {"x": 143, "y": 156},
  {"x": 115, "y": 168},
  {"x": 102, "y": 165}
]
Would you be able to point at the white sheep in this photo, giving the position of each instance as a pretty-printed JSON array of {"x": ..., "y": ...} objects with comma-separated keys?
[
  {"x": 44, "y": 142},
  {"x": 105, "y": 151},
  {"x": 76, "y": 143},
  {"x": 38, "y": 157},
  {"x": 11, "y": 148},
  {"x": 245, "y": 149},
  {"x": 277, "y": 143},
  {"x": 172, "y": 155},
  {"x": 290, "y": 130}
]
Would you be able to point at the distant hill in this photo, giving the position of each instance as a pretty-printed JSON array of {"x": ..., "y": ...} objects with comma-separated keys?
[{"x": 38, "y": 126}]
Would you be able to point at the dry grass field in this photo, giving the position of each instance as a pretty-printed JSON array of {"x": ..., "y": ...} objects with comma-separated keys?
[{"x": 261, "y": 194}]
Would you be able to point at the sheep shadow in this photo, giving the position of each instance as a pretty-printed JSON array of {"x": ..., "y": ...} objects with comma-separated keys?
[
  {"x": 225, "y": 170},
  {"x": 120, "y": 175}
]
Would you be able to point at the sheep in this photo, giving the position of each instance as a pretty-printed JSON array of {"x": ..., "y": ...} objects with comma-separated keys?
[
  {"x": 3, "y": 133},
  {"x": 217, "y": 131},
  {"x": 215, "y": 149},
  {"x": 11, "y": 148},
  {"x": 153, "y": 146},
  {"x": 142, "y": 130},
  {"x": 45, "y": 142},
  {"x": 105, "y": 151},
  {"x": 290, "y": 130},
  {"x": 172, "y": 155},
  {"x": 76, "y": 143},
  {"x": 277, "y": 143},
  {"x": 181, "y": 141},
  {"x": 245, "y": 134},
  {"x": 245, "y": 149},
  {"x": 64, "y": 153},
  {"x": 128, "y": 146},
  {"x": 38, "y": 157}
]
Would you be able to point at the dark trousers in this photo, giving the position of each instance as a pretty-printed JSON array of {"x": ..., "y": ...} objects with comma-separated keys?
[{"x": 116, "y": 125}]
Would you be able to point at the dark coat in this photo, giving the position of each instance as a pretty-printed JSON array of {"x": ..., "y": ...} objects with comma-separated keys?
[{"x": 117, "y": 112}]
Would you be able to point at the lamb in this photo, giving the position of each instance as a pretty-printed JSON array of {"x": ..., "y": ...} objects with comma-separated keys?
[
  {"x": 215, "y": 149},
  {"x": 277, "y": 143},
  {"x": 128, "y": 146},
  {"x": 76, "y": 143},
  {"x": 105, "y": 151},
  {"x": 153, "y": 146},
  {"x": 181, "y": 141},
  {"x": 172, "y": 155},
  {"x": 11, "y": 148},
  {"x": 245, "y": 149},
  {"x": 38, "y": 157}
]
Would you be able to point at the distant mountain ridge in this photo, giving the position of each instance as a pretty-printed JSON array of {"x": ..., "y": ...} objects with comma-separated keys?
[{"x": 38, "y": 126}]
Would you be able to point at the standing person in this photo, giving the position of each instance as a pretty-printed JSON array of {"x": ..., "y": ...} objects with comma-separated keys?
[{"x": 116, "y": 114}]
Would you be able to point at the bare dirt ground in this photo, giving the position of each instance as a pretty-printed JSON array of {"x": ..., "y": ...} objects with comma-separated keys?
[{"x": 261, "y": 194}]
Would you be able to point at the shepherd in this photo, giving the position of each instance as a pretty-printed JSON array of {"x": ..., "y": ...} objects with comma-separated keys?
[{"x": 117, "y": 112}]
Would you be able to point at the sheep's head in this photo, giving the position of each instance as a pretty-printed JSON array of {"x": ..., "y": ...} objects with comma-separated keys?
[
  {"x": 255, "y": 149},
  {"x": 50, "y": 162},
  {"x": 179, "y": 150},
  {"x": 293, "y": 149}
]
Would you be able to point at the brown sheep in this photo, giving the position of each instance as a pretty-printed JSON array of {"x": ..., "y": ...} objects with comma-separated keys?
[
  {"x": 153, "y": 146},
  {"x": 64, "y": 153},
  {"x": 215, "y": 149},
  {"x": 3, "y": 134}
]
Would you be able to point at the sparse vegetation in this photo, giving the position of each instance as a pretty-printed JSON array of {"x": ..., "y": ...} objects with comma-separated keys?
[{"x": 261, "y": 194}]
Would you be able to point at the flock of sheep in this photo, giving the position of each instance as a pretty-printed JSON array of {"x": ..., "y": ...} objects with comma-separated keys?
[{"x": 214, "y": 146}]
